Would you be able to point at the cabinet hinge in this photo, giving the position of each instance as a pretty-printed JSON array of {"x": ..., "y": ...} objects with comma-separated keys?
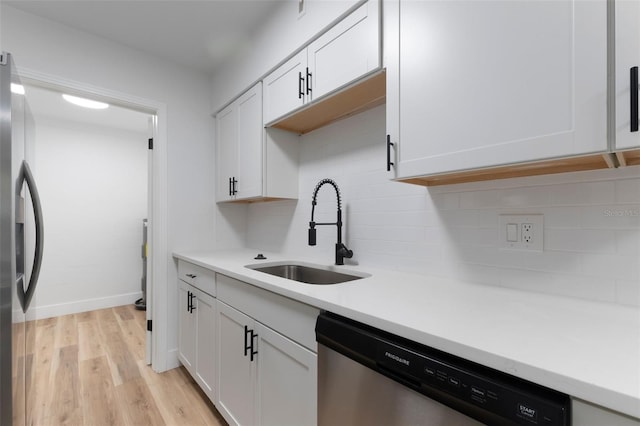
[
  {"x": 149, "y": 325},
  {"x": 150, "y": 143}
]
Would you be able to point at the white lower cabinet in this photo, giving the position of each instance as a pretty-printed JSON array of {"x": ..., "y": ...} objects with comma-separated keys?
[
  {"x": 264, "y": 377},
  {"x": 286, "y": 388},
  {"x": 187, "y": 325},
  {"x": 236, "y": 371},
  {"x": 587, "y": 414},
  {"x": 196, "y": 341}
]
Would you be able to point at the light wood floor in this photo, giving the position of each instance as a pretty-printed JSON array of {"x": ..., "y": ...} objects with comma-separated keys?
[{"x": 90, "y": 370}]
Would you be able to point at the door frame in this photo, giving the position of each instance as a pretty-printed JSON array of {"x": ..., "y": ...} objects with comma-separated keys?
[{"x": 158, "y": 264}]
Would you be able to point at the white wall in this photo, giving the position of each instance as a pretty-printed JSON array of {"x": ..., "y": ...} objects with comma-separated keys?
[
  {"x": 592, "y": 220},
  {"x": 53, "y": 49},
  {"x": 92, "y": 182}
]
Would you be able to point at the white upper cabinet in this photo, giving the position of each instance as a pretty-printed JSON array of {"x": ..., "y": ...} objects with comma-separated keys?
[
  {"x": 486, "y": 83},
  {"x": 347, "y": 51},
  {"x": 285, "y": 88},
  {"x": 252, "y": 164},
  {"x": 340, "y": 56},
  {"x": 239, "y": 147},
  {"x": 627, "y": 53},
  {"x": 226, "y": 151}
]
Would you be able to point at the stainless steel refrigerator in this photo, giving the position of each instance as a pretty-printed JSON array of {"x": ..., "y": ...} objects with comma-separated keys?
[{"x": 21, "y": 245}]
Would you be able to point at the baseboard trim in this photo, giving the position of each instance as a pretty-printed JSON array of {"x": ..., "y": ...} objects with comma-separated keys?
[
  {"x": 49, "y": 311},
  {"x": 172, "y": 359}
]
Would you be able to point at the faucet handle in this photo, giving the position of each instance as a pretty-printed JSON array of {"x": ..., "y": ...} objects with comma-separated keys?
[{"x": 341, "y": 252}]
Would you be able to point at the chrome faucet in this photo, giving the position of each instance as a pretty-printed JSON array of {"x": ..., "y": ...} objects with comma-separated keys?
[{"x": 341, "y": 250}]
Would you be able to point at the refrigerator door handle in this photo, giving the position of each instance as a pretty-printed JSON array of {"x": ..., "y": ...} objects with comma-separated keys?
[{"x": 27, "y": 176}]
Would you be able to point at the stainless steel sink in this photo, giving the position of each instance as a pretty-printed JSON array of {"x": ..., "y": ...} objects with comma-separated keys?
[{"x": 306, "y": 274}]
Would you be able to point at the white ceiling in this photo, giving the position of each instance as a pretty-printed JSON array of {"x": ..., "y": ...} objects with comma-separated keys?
[
  {"x": 48, "y": 104},
  {"x": 198, "y": 34}
]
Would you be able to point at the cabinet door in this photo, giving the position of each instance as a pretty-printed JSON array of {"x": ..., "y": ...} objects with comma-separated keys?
[
  {"x": 484, "y": 83},
  {"x": 627, "y": 48},
  {"x": 236, "y": 373},
  {"x": 226, "y": 149},
  {"x": 347, "y": 51},
  {"x": 205, "y": 313},
  {"x": 287, "y": 381},
  {"x": 187, "y": 325},
  {"x": 285, "y": 88},
  {"x": 250, "y": 143}
]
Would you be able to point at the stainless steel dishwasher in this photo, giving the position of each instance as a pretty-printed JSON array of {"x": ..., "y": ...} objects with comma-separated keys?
[{"x": 370, "y": 377}]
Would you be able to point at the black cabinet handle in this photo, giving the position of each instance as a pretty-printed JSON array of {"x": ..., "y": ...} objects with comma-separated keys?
[
  {"x": 633, "y": 78},
  {"x": 192, "y": 296},
  {"x": 309, "y": 90},
  {"x": 191, "y": 276},
  {"x": 234, "y": 191},
  {"x": 300, "y": 80},
  {"x": 253, "y": 352},
  {"x": 389, "y": 145},
  {"x": 230, "y": 194},
  {"x": 246, "y": 345}
]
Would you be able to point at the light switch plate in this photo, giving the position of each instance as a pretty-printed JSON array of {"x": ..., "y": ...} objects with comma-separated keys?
[{"x": 521, "y": 231}]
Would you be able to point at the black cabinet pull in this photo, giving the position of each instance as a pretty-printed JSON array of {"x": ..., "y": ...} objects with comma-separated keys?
[
  {"x": 234, "y": 191},
  {"x": 230, "y": 194},
  {"x": 191, "y": 276},
  {"x": 246, "y": 345},
  {"x": 389, "y": 145},
  {"x": 633, "y": 79},
  {"x": 253, "y": 352},
  {"x": 300, "y": 80},
  {"x": 309, "y": 90},
  {"x": 192, "y": 296}
]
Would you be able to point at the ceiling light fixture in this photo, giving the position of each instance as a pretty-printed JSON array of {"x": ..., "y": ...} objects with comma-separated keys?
[
  {"x": 87, "y": 103},
  {"x": 17, "y": 89}
]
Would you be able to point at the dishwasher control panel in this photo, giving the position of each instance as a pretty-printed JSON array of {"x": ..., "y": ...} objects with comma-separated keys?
[
  {"x": 480, "y": 392},
  {"x": 492, "y": 393}
]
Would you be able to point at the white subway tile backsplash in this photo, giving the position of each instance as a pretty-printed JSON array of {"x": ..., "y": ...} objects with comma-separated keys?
[
  {"x": 580, "y": 240},
  {"x": 628, "y": 190},
  {"x": 562, "y": 217},
  {"x": 444, "y": 200},
  {"x": 616, "y": 266},
  {"x": 628, "y": 242},
  {"x": 521, "y": 197},
  {"x": 627, "y": 292},
  {"x": 591, "y": 220},
  {"x": 479, "y": 199},
  {"x": 583, "y": 193}
]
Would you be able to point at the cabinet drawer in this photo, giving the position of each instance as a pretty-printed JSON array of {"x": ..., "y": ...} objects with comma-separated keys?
[
  {"x": 199, "y": 277},
  {"x": 293, "y": 319}
]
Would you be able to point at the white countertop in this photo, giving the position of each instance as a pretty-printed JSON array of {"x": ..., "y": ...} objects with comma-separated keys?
[{"x": 586, "y": 349}]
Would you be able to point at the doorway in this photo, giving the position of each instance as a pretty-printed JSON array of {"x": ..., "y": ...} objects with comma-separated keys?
[{"x": 97, "y": 171}]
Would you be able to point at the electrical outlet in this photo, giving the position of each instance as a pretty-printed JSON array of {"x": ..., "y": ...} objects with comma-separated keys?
[
  {"x": 521, "y": 231},
  {"x": 527, "y": 232}
]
